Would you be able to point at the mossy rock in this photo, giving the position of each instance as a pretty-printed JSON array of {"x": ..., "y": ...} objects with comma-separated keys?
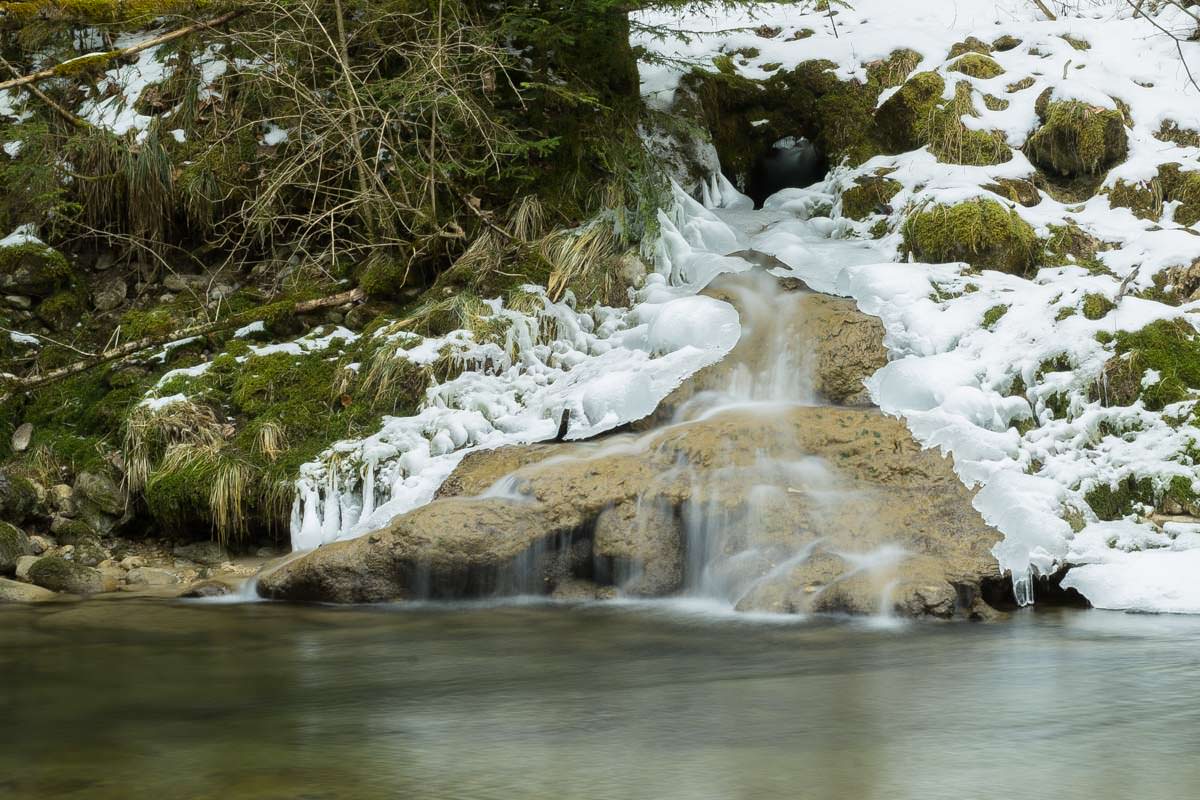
[
  {"x": 72, "y": 531},
  {"x": 13, "y": 544},
  {"x": 994, "y": 315},
  {"x": 903, "y": 118},
  {"x": 60, "y": 575},
  {"x": 1183, "y": 188},
  {"x": 1184, "y": 137},
  {"x": 62, "y": 310},
  {"x": 89, "y": 552},
  {"x": 1020, "y": 85},
  {"x": 1170, "y": 347},
  {"x": 1071, "y": 244},
  {"x": 1096, "y": 306},
  {"x": 18, "y": 498},
  {"x": 1145, "y": 200},
  {"x": 977, "y": 66},
  {"x": 980, "y": 232},
  {"x": 1005, "y": 43},
  {"x": 867, "y": 196},
  {"x": 383, "y": 277},
  {"x": 1017, "y": 190},
  {"x": 32, "y": 269},
  {"x": 1076, "y": 139},
  {"x": 969, "y": 45}
]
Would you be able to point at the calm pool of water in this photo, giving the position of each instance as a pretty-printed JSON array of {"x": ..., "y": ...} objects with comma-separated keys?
[{"x": 139, "y": 699}]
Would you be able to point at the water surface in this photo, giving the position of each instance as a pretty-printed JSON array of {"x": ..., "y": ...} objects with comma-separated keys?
[{"x": 139, "y": 699}]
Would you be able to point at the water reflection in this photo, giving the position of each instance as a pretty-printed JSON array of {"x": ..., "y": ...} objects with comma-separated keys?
[{"x": 126, "y": 699}]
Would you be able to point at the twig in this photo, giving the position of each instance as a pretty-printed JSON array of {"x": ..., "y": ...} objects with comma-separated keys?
[
  {"x": 1042, "y": 6},
  {"x": 18, "y": 384},
  {"x": 50, "y": 72},
  {"x": 45, "y": 98}
]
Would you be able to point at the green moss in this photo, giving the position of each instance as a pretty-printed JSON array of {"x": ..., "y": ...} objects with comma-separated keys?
[
  {"x": 867, "y": 195},
  {"x": 1020, "y": 86},
  {"x": 153, "y": 322},
  {"x": 903, "y": 118},
  {"x": 1169, "y": 347},
  {"x": 1005, "y": 43},
  {"x": 60, "y": 575},
  {"x": 1076, "y": 42},
  {"x": 994, "y": 315},
  {"x": 1096, "y": 306},
  {"x": 1120, "y": 500},
  {"x": 1170, "y": 131},
  {"x": 982, "y": 233},
  {"x": 1076, "y": 139},
  {"x": 1184, "y": 188},
  {"x": 62, "y": 310},
  {"x": 969, "y": 45},
  {"x": 1064, "y": 313},
  {"x": 34, "y": 268},
  {"x": 13, "y": 544},
  {"x": 73, "y": 531},
  {"x": 383, "y": 277},
  {"x": 1143, "y": 199},
  {"x": 1070, "y": 244},
  {"x": 895, "y": 69},
  {"x": 977, "y": 66},
  {"x": 87, "y": 66},
  {"x": 993, "y": 103}
]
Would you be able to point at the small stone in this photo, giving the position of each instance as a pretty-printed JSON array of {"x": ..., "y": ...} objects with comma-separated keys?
[
  {"x": 18, "y": 301},
  {"x": 23, "y": 565},
  {"x": 110, "y": 294},
  {"x": 89, "y": 553},
  {"x": 39, "y": 544},
  {"x": 21, "y": 437},
  {"x": 207, "y": 553},
  {"x": 17, "y": 592},
  {"x": 132, "y": 562},
  {"x": 149, "y": 576},
  {"x": 176, "y": 282},
  {"x": 104, "y": 261}
]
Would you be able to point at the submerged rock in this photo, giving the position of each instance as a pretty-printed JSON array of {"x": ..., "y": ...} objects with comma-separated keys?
[{"x": 807, "y": 509}]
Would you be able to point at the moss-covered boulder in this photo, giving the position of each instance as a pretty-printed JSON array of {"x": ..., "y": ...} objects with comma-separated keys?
[
  {"x": 1077, "y": 140},
  {"x": 13, "y": 544},
  {"x": 970, "y": 45},
  {"x": 28, "y": 267},
  {"x": 981, "y": 232},
  {"x": 977, "y": 65},
  {"x": 18, "y": 498},
  {"x": 102, "y": 491},
  {"x": 868, "y": 195},
  {"x": 71, "y": 531},
  {"x": 903, "y": 118},
  {"x": 1170, "y": 348},
  {"x": 60, "y": 575}
]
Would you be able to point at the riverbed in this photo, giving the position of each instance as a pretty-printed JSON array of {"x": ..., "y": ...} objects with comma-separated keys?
[{"x": 155, "y": 699}]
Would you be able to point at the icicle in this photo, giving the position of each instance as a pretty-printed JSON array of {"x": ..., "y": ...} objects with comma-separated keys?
[
  {"x": 1023, "y": 588},
  {"x": 368, "y": 494}
]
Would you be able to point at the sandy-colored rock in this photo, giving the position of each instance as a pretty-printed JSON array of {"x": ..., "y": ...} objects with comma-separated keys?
[
  {"x": 17, "y": 592},
  {"x": 847, "y": 348},
  {"x": 150, "y": 577},
  {"x": 810, "y": 509},
  {"x": 23, "y": 565}
]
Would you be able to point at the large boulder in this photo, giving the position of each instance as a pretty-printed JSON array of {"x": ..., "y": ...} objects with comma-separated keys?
[
  {"x": 847, "y": 348},
  {"x": 28, "y": 267},
  {"x": 60, "y": 575},
  {"x": 13, "y": 544},
  {"x": 731, "y": 504},
  {"x": 1076, "y": 139},
  {"x": 17, "y": 592},
  {"x": 18, "y": 498}
]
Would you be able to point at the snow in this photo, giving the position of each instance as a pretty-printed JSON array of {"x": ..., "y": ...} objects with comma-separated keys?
[
  {"x": 23, "y": 235},
  {"x": 16, "y": 337}
]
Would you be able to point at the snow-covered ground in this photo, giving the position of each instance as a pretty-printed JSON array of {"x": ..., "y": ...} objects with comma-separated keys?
[{"x": 950, "y": 375}]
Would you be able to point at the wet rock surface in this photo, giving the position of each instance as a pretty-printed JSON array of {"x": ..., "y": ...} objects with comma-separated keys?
[{"x": 872, "y": 522}]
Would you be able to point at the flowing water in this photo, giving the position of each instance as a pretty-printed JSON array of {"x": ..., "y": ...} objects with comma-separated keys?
[{"x": 132, "y": 699}]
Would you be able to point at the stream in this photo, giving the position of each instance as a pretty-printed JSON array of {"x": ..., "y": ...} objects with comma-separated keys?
[{"x": 136, "y": 699}]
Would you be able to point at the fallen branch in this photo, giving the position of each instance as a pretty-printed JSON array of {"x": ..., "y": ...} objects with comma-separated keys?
[
  {"x": 42, "y": 75},
  {"x": 14, "y": 384},
  {"x": 39, "y": 94},
  {"x": 1042, "y": 6}
]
